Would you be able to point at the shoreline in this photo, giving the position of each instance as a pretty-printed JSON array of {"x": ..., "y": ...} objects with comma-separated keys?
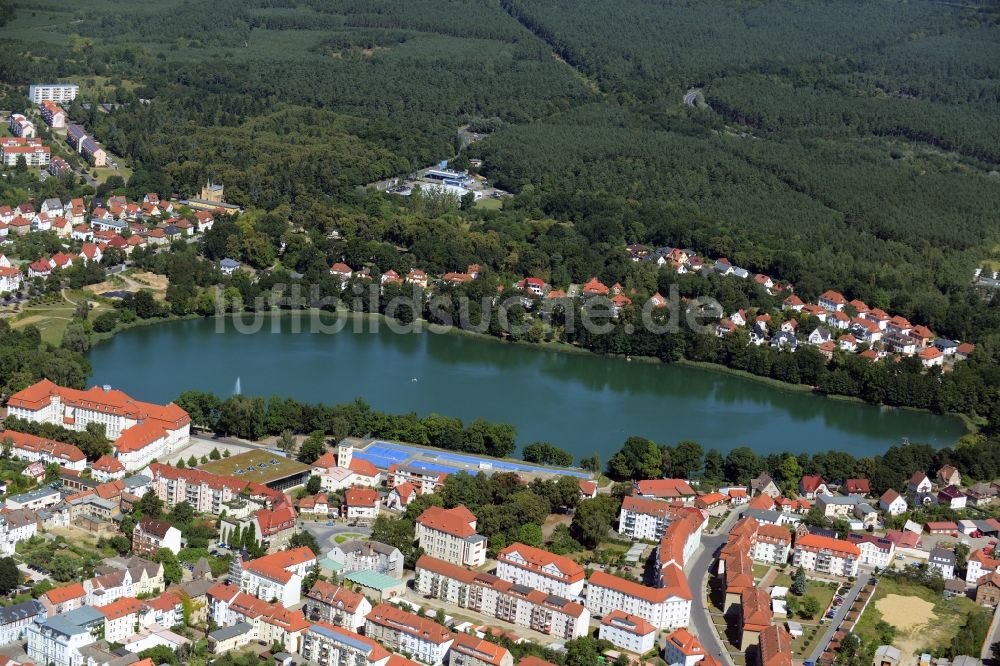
[{"x": 423, "y": 326}]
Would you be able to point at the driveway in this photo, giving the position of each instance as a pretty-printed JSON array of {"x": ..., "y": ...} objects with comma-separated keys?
[
  {"x": 849, "y": 598},
  {"x": 701, "y": 610}
]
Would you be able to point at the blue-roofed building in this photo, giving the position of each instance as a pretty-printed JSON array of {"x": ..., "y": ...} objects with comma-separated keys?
[
  {"x": 58, "y": 640},
  {"x": 228, "y": 266},
  {"x": 15, "y": 620}
]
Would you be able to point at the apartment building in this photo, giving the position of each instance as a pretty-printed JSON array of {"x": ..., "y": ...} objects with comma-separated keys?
[
  {"x": 665, "y": 607},
  {"x": 278, "y": 576},
  {"x": 422, "y": 638},
  {"x": 814, "y": 552},
  {"x": 425, "y": 480},
  {"x": 121, "y": 619},
  {"x": 450, "y": 535},
  {"x": 58, "y": 640},
  {"x": 267, "y": 622},
  {"x": 682, "y": 648},
  {"x": 149, "y": 535},
  {"x": 497, "y": 598},
  {"x": 646, "y": 519},
  {"x": 337, "y": 605},
  {"x": 540, "y": 570},
  {"x": 16, "y": 618},
  {"x": 54, "y": 92},
  {"x": 875, "y": 551},
  {"x": 329, "y": 645},
  {"x": 31, "y": 448},
  {"x": 468, "y": 650},
  {"x": 52, "y": 114},
  {"x": 34, "y": 155},
  {"x": 628, "y": 632}
]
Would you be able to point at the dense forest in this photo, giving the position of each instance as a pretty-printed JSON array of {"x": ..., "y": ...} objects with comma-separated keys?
[{"x": 845, "y": 145}]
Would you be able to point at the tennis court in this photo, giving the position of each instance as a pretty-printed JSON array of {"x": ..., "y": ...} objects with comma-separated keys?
[{"x": 382, "y": 454}]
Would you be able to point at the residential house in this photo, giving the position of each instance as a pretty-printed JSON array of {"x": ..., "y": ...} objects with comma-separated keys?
[
  {"x": 949, "y": 476},
  {"x": 765, "y": 485},
  {"x": 953, "y": 497},
  {"x": 755, "y": 615},
  {"x": 988, "y": 590},
  {"x": 893, "y": 503},
  {"x": 919, "y": 483},
  {"x": 149, "y": 535},
  {"x": 374, "y": 556},
  {"x": 858, "y": 487},
  {"x": 361, "y": 504},
  {"x": 811, "y": 485},
  {"x": 875, "y": 551},
  {"x": 943, "y": 560}
]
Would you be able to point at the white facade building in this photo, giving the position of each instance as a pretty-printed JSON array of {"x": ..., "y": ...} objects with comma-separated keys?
[{"x": 662, "y": 607}]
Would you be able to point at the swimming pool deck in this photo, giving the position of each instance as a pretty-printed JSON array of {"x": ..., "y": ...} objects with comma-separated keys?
[{"x": 382, "y": 454}]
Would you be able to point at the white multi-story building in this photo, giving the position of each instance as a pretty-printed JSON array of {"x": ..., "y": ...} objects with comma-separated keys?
[
  {"x": 771, "y": 544},
  {"x": 540, "y": 570},
  {"x": 142, "y": 431},
  {"x": 57, "y": 641},
  {"x": 328, "y": 645},
  {"x": 421, "y": 637},
  {"x": 628, "y": 632},
  {"x": 646, "y": 519},
  {"x": 32, "y": 448},
  {"x": 823, "y": 554},
  {"x": 53, "y": 92},
  {"x": 682, "y": 648},
  {"x": 943, "y": 560},
  {"x": 16, "y": 525},
  {"x": 278, "y": 576},
  {"x": 981, "y": 562},
  {"x": 666, "y": 607},
  {"x": 450, "y": 535},
  {"x": 121, "y": 619},
  {"x": 426, "y": 480},
  {"x": 497, "y": 598},
  {"x": 267, "y": 622},
  {"x": 875, "y": 551}
]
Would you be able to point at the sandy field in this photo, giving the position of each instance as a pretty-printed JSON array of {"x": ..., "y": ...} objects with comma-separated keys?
[{"x": 905, "y": 613}]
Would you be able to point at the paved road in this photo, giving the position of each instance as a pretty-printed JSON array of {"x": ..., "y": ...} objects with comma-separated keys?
[
  {"x": 701, "y": 618},
  {"x": 831, "y": 629},
  {"x": 994, "y": 636}
]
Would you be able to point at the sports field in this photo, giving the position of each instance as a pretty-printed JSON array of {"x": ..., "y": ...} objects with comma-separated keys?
[{"x": 257, "y": 466}]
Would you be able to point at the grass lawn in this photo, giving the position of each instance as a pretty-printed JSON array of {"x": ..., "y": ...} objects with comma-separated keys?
[
  {"x": 760, "y": 569},
  {"x": 488, "y": 203},
  {"x": 341, "y": 538},
  {"x": 52, "y": 316},
  {"x": 946, "y": 616},
  {"x": 804, "y": 645},
  {"x": 822, "y": 591}
]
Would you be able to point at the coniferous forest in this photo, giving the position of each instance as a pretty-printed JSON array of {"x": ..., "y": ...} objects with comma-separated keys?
[{"x": 833, "y": 144}]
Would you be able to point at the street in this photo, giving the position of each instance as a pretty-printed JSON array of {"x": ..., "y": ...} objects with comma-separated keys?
[
  {"x": 831, "y": 629},
  {"x": 701, "y": 618}
]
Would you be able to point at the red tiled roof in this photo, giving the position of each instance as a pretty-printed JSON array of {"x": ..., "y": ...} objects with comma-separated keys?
[
  {"x": 397, "y": 619},
  {"x": 755, "y": 609},
  {"x": 457, "y": 521},
  {"x": 653, "y": 595},
  {"x": 542, "y": 562},
  {"x": 481, "y": 650},
  {"x": 363, "y": 467},
  {"x": 361, "y": 497},
  {"x": 334, "y": 595},
  {"x": 664, "y": 487},
  {"x": 276, "y": 565},
  {"x": 121, "y": 608},
  {"x": 65, "y": 593},
  {"x": 819, "y": 542},
  {"x": 630, "y": 623},
  {"x": 775, "y": 647}
]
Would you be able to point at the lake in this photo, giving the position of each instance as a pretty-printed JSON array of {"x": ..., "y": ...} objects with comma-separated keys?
[{"x": 579, "y": 402}]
